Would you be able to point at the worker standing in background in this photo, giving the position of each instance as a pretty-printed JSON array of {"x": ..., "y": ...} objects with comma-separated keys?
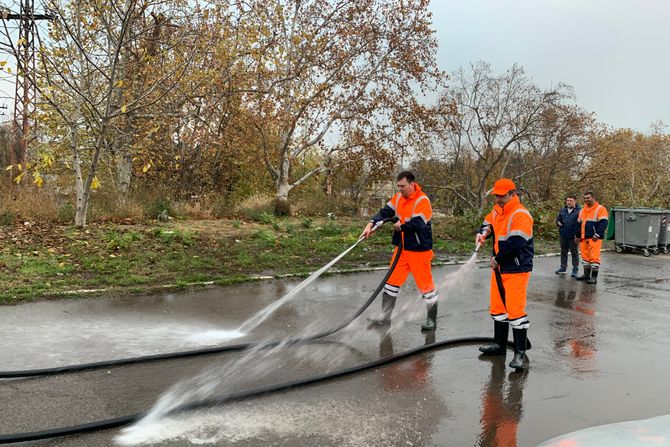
[
  {"x": 566, "y": 221},
  {"x": 591, "y": 226}
]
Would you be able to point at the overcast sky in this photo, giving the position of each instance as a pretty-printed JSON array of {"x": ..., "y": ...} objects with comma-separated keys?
[{"x": 615, "y": 53}]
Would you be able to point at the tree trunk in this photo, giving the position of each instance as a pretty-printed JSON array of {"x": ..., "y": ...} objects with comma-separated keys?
[
  {"x": 124, "y": 170},
  {"x": 282, "y": 207},
  {"x": 82, "y": 201}
]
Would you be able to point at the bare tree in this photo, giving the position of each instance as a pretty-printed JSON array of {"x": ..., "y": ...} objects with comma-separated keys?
[
  {"x": 495, "y": 119},
  {"x": 335, "y": 76},
  {"x": 81, "y": 79}
]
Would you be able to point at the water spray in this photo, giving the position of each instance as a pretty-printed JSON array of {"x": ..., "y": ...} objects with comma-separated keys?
[
  {"x": 262, "y": 315},
  {"x": 237, "y": 396},
  {"x": 215, "y": 349}
]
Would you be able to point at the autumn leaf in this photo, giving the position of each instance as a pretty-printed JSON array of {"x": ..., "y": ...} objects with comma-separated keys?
[
  {"x": 95, "y": 184},
  {"x": 37, "y": 179},
  {"x": 18, "y": 178}
]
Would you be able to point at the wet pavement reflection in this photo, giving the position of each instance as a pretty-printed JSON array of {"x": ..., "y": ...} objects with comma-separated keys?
[
  {"x": 501, "y": 404},
  {"x": 414, "y": 373},
  {"x": 574, "y": 332}
]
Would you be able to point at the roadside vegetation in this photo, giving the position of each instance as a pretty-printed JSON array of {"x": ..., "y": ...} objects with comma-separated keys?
[
  {"x": 137, "y": 254},
  {"x": 188, "y": 142}
]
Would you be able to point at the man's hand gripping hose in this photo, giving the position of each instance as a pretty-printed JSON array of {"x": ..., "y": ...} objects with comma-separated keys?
[{"x": 376, "y": 226}]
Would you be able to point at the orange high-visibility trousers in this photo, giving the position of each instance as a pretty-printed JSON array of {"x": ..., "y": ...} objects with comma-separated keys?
[
  {"x": 418, "y": 264},
  {"x": 591, "y": 252},
  {"x": 514, "y": 307}
]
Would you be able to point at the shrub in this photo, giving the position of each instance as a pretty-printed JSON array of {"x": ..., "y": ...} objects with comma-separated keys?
[
  {"x": 66, "y": 212},
  {"x": 221, "y": 207},
  {"x": 121, "y": 241},
  {"x": 267, "y": 218},
  {"x": 7, "y": 218},
  {"x": 331, "y": 229},
  {"x": 317, "y": 203},
  {"x": 266, "y": 237},
  {"x": 253, "y": 207},
  {"x": 306, "y": 223},
  {"x": 186, "y": 238},
  {"x": 154, "y": 207}
]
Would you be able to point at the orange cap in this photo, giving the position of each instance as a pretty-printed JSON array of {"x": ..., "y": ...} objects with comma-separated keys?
[{"x": 502, "y": 187}]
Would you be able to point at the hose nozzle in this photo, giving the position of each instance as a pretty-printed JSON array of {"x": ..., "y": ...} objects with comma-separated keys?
[
  {"x": 377, "y": 225},
  {"x": 393, "y": 219}
]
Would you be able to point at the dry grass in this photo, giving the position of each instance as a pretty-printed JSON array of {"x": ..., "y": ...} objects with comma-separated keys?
[{"x": 28, "y": 202}]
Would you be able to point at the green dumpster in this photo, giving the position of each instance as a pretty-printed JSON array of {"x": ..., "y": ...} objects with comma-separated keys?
[{"x": 609, "y": 233}]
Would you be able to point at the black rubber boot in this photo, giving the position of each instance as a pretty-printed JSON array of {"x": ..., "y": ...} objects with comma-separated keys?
[
  {"x": 431, "y": 319},
  {"x": 586, "y": 275},
  {"x": 500, "y": 333},
  {"x": 519, "y": 360},
  {"x": 594, "y": 277},
  {"x": 384, "y": 317}
]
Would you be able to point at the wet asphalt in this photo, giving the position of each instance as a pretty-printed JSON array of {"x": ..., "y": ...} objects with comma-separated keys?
[{"x": 599, "y": 356}]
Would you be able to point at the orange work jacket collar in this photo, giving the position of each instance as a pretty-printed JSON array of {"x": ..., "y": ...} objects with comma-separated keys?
[
  {"x": 590, "y": 209},
  {"x": 415, "y": 195},
  {"x": 509, "y": 207}
]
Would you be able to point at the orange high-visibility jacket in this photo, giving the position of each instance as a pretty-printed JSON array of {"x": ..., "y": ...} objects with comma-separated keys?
[
  {"x": 416, "y": 214},
  {"x": 512, "y": 229},
  {"x": 592, "y": 221}
]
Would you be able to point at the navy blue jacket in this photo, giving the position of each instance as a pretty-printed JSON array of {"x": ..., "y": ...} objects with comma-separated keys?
[
  {"x": 569, "y": 220},
  {"x": 416, "y": 214}
]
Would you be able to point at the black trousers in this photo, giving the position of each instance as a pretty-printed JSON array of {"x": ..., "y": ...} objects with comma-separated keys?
[{"x": 568, "y": 244}]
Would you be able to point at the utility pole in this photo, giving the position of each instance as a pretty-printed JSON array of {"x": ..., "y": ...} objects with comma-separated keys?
[{"x": 25, "y": 92}]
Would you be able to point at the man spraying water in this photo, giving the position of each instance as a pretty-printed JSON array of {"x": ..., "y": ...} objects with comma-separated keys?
[
  {"x": 412, "y": 208},
  {"x": 511, "y": 227}
]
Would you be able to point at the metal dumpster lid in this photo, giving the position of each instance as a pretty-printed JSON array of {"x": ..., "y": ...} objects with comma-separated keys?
[{"x": 642, "y": 210}]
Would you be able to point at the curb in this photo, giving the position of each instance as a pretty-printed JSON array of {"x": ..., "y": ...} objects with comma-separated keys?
[{"x": 290, "y": 275}]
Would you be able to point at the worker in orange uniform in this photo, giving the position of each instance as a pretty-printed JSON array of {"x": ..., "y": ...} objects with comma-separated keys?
[
  {"x": 511, "y": 226},
  {"x": 414, "y": 229},
  {"x": 591, "y": 226}
]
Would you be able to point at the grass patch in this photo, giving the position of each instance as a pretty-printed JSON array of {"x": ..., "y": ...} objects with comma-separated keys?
[
  {"x": 121, "y": 241},
  {"x": 7, "y": 218},
  {"x": 48, "y": 261}
]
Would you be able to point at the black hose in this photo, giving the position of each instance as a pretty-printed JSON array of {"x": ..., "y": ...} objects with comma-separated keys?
[
  {"x": 234, "y": 397},
  {"x": 203, "y": 351}
]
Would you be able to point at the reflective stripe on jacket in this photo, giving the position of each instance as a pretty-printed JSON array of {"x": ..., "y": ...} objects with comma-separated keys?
[
  {"x": 416, "y": 214},
  {"x": 591, "y": 221},
  {"x": 512, "y": 229}
]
